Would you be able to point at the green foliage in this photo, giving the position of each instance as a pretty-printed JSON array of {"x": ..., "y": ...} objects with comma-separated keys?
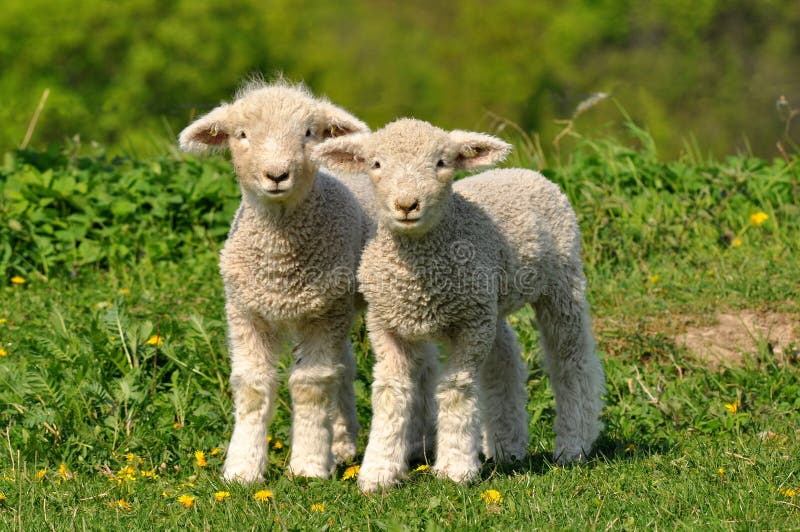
[
  {"x": 712, "y": 69},
  {"x": 65, "y": 212},
  {"x": 113, "y": 354}
]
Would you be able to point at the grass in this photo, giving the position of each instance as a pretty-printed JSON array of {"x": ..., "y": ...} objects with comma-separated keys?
[{"x": 114, "y": 365}]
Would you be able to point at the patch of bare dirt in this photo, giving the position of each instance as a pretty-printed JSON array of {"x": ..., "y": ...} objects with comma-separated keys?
[{"x": 734, "y": 334}]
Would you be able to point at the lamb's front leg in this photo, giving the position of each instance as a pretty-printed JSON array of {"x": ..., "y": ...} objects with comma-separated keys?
[
  {"x": 253, "y": 383},
  {"x": 314, "y": 388},
  {"x": 458, "y": 434},
  {"x": 392, "y": 404}
]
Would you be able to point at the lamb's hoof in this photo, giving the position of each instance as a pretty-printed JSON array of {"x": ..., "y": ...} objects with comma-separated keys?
[
  {"x": 513, "y": 454},
  {"x": 569, "y": 454},
  {"x": 460, "y": 473},
  {"x": 373, "y": 478},
  {"x": 309, "y": 469},
  {"x": 241, "y": 475},
  {"x": 344, "y": 452}
]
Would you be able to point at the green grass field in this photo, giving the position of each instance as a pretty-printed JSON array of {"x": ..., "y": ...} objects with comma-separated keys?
[{"x": 113, "y": 367}]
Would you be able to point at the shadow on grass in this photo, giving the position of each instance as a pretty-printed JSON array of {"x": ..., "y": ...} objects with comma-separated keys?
[{"x": 606, "y": 451}]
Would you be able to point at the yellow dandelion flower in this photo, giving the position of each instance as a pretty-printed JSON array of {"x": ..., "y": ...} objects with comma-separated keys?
[
  {"x": 63, "y": 472},
  {"x": 721, "y": 471},
  {"x": 41, "y": 474},
  {"x": 149, "y": 474},
  {"x": 122, "y": 504},
  {"x": 3, "y": 320},
  {"x": 221, "y": 496},
  {"x": 176, "y": 425},
  {"x": 215, "y": 451},
  {"x": 262, "y": 495},
  {"x": 654, "y": 279},
  {"x": 277, "y": 445},
  {"x": 155, "y": 340},
  {"x": 124, "y": 291},
  {"x": 318, "y": 507},
  {"x": 186, "y": 500},
  {"x": 492, "y": 497},
  {"x": 351, "y": 472},
  {"x": 758, "y": 218},
  {"x": 789, "y": 492},
  {"x": 3, "y": 352},
  {"x": 269, "y": 439},
  {"x": 200, "y": 458},
  {"x": 18, "y": 280},
  {"x": 733, "y": 407},
  {"x": 736, "y": 242},
  {"x": 423, "y": 467},
  {"x": 126, "y": 473},
  {"x": 2, "y": 497},
  {"x": 130, "y": 457}
]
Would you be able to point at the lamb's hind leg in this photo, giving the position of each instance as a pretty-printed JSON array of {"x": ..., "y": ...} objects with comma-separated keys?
[
  {"x": 422, "y": 433},
  {"x": 253, "y": 383},
  {"x": 345, "y": 424},
  {"x": 575, "y": 372},
  {"x": 504, "y": 397}
]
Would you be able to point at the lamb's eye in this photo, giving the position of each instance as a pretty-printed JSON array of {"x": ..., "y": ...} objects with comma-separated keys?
[
  {"x": 440, "y": 163},
  {"x": 241, "y": 135},
  {"x": 376, "y": 165},
  {"x": 308, "y": 132}
]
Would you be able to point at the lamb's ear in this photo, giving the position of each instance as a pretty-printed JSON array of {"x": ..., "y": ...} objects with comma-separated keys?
[
  {"x": 208, "y": 131},
  {"x": 344, "y": 154},
  {"x": 477, "y": 150},
  {"x": 333, "y": 121}
]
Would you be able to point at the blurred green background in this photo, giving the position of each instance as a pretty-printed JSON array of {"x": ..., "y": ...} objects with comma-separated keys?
[{"x": 131, "y": 74}]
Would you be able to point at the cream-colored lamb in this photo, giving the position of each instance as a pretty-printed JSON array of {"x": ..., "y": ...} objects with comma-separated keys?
[
  {"x": 448, "y": 263},
  {"x": 288, "y": 268}
]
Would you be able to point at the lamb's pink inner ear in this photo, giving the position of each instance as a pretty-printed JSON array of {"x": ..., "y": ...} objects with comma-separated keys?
[
  {"x": 343, "y": 154},
  {"x": 342, "y": 158},
  {"x": 333, "y": 131},
  {"x": 478, "y": 150},
  {"x": 212, "y": 136}
]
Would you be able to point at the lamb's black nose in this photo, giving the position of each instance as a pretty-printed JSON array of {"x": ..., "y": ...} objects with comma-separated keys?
[
  {"x": 406, "y": 205},
  {"x": 277, "y": 178}
]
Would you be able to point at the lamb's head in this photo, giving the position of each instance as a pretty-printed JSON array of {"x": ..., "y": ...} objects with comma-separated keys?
[
  {"x": 411, "y": 164},
  {"x": 270, "y": 130}
]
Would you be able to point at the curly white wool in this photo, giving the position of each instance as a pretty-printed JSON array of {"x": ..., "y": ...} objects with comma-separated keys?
[
  {"x": 448, "y": 263},
  {"x": 288, "y": 268}
]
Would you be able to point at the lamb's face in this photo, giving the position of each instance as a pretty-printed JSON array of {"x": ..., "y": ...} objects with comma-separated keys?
[
  {"x": 411, "y": 164},
  {"x": 270, "y": 137},
  {"x": 270, "y": 131}
]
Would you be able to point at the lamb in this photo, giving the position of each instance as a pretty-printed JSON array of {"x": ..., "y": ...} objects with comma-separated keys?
[
  {"x": 288, "y": 268},
  {"x": 448, "y": 263}
]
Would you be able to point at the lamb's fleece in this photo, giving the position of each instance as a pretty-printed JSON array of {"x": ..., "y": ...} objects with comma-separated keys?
[
  {"x": 449, "y": 262},
  {"x": 288, "y": 267}
]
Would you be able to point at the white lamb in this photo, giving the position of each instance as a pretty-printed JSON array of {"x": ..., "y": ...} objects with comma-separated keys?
[
  {"x": 448, "y": 263},
  {"x": 288, "y": 268}
]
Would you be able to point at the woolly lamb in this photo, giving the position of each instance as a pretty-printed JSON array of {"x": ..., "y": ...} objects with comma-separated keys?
[
  {"x": 288, "y": 268},
  {"x": 448, "y": 263}
]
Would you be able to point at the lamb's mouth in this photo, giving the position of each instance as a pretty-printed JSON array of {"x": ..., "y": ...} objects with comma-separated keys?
[{"x": 408, "y": 222}]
